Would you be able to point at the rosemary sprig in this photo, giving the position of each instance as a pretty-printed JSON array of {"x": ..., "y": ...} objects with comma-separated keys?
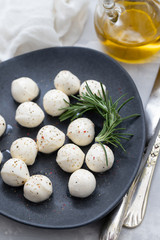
[{"x": 108, "y": 109}]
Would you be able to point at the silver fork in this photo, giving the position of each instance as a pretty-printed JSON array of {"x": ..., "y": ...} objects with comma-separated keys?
[{"x": 137, "y": 210}]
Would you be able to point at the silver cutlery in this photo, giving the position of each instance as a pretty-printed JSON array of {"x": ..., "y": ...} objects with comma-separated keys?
[
  {"x": 136, "y": 211},
  {"x": 112, "y": 228}
]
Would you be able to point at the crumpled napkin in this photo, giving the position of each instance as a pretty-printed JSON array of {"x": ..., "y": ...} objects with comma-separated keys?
[{"x": 27, "y": 25}]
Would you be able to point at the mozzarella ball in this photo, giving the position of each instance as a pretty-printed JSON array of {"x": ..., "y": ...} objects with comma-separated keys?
[
  {"x": 1, "y": 157},
  {"x": 24, "y": 89},
  {"x": 96, "y": 159},
  {"x": 81, "y": 131},
  {"x": 2, "y": 125},
  {"x": 53, "y": 102},
  {"x": 25, "y": 149},
  {"x": 29, "y": 115},
  {"x": 94, "y": 85},
  {"x": 70, "y": 157},
  {"x": 15, "y": 172},
  {"x": 67, "y": 82},
  {"x": 38, "y": 188},
  {"x": 81, "y": 183},
  {"x": 49, "y": 139}
]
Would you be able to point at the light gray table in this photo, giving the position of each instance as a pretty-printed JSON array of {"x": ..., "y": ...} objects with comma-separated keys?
[{"x": 143, "y": 76}]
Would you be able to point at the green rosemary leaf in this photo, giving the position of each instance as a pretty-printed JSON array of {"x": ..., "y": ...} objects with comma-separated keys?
[
  {"x": 124, "y": 103},
  {"x": 130, "y": 116},
  {"x": 104, "y": 93},
  {"x": 117, "y": 101},
  {"x": 105, "y": 152}
]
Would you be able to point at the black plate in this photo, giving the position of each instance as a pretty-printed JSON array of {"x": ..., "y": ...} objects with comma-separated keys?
[{"x": 62, "y": 210}]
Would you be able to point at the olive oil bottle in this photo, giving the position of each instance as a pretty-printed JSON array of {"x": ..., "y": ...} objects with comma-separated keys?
[{"x": 129, "y": 30}]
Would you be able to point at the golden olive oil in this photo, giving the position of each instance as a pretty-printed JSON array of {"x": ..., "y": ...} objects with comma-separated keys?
[{"x": 135, "y": 35}]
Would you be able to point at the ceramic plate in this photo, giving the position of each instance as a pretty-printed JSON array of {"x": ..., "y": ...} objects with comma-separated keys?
[{"x": 62, "y": 210}]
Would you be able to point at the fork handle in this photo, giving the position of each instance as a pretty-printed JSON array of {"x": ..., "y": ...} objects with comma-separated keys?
[
  {"x": 112, "y": 228},
  {"x": 137, "y": 209},
  {"x": 139, "y": 204}
]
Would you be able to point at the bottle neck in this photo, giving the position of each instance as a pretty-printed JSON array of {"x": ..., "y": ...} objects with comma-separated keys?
[
  {"x": 108, "y": 4},
  {"x": 109, "y": 8}
]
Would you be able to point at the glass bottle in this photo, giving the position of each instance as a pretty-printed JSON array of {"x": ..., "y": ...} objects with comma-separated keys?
[{"x": 129, "y": 29}]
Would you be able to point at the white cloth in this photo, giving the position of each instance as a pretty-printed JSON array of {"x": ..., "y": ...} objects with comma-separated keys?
[{"x": 27, "y": 25}]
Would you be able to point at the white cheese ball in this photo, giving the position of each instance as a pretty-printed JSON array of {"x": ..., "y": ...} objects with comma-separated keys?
[
  {"x": 38, "y": 188},
  {"x": 53, "y": 102},
  {"x": 93, "y": 85},
  {"x": 29, "y": 114},
  {"x": 25, "y": 149},
  {"x": 24, "y": 89},
  {"x": 67, "y": 82},
  {"x": 81, "y": 131},
  {"x": 70, "y": 157},
  {"x": 1, "y": 157},
  {"x": 81, "y": 183},
  {"x": 49, "y": 139},
  {"x": 15, "y": 172},
  {"x": 2, "y": 125},
  {"x": 96, "y": 159}
]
